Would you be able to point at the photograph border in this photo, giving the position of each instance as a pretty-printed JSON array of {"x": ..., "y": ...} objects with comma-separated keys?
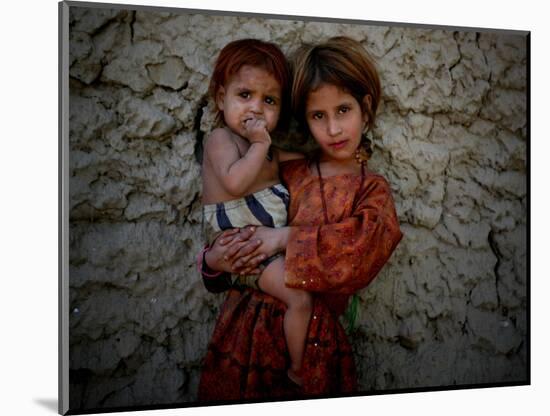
[{"x": 63, "y": 194}]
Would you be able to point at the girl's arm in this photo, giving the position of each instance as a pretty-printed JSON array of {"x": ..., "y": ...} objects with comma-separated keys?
[
  {"x": 236, "y": 174},
  {"x": 269, "y": 241},
  {"x": 285, "y": 155},
  {"x": 338, "y": 258},
  {"x": 220, "y": 255},
  {"x": 213, "y": 266},
  {"x": 344, "y": 257}
]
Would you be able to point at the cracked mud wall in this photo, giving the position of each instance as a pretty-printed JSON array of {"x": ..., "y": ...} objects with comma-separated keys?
[{"x": 451, "y": 138}]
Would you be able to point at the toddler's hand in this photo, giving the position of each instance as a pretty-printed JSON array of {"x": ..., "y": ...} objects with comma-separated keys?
[{"x": 256, "y": 131}]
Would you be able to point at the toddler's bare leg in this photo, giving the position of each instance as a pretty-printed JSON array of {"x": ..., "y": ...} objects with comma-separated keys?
[{"x": 299, "y": 308}]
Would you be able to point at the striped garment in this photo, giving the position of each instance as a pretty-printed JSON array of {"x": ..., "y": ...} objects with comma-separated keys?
[{"x": 267, "y": 207}]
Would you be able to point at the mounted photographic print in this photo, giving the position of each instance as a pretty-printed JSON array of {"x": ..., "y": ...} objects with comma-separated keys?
[{"x": 264, "y": 208}]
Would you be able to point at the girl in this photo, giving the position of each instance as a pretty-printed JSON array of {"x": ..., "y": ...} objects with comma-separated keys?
[
  {"x": 342, "y": 229},
  {"x": 241, "y": 184}
]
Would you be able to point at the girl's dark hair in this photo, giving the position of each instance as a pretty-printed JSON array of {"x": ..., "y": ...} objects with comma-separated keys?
[
  {"x": 339, "y": 61},
  {"x": 256, "y": 53}
]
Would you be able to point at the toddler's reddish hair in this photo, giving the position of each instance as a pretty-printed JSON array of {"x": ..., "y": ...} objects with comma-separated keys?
[{"x": 256, "y": 53}]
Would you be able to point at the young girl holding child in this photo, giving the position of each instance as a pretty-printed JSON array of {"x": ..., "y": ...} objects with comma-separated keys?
[
  {"x": 241, "y": 186},
  {"x": 342, "y": 229}
]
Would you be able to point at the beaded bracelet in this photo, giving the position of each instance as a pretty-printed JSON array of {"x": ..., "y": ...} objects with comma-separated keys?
[{"x": 201, "y": 262}]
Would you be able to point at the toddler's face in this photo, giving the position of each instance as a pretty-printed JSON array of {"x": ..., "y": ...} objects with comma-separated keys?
[{"x": 251, "y": 93}]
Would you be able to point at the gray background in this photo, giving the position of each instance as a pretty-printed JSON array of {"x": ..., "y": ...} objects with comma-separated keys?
[{"x": 448, "y": 309}]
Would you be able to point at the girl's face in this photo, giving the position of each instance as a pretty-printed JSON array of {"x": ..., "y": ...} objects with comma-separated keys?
[
  {"x": 336, "y": 121},
  {"x": 251, "y": 93}
]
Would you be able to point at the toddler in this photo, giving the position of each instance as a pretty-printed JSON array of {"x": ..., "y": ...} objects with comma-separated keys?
[{"x": 241, "y": 186}]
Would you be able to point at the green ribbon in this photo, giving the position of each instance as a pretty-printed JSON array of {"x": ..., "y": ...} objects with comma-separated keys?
[{"x": 350, "y": 316}]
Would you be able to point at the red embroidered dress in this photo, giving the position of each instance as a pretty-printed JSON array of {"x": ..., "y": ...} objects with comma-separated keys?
[{"x": 247, "y": 356}]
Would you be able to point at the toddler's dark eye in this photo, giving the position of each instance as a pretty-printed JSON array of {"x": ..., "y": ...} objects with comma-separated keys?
[
  {"x": 269, "y": 100},
  {"x": 244, "y": 94},
  {"x": 344, "y": 109}
]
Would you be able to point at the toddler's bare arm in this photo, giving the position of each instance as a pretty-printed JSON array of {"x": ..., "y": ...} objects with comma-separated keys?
[{"x": 236, "y": 174}]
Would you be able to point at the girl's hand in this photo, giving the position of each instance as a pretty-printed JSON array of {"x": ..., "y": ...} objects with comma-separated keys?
[
  {"x": 227, "y": 244},
  {"x": 271, "y": 241}
]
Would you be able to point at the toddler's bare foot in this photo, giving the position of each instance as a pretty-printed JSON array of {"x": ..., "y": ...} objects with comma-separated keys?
[{"x": 294, "y": 376}]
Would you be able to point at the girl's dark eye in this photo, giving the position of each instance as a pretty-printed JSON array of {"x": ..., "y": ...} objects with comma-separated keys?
[
  {"x": 269, "y": 100},
  {"x": 317, "y": 116},
  {"x": 344, "y": 109},
  {"x": 244, "y": 94}
]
